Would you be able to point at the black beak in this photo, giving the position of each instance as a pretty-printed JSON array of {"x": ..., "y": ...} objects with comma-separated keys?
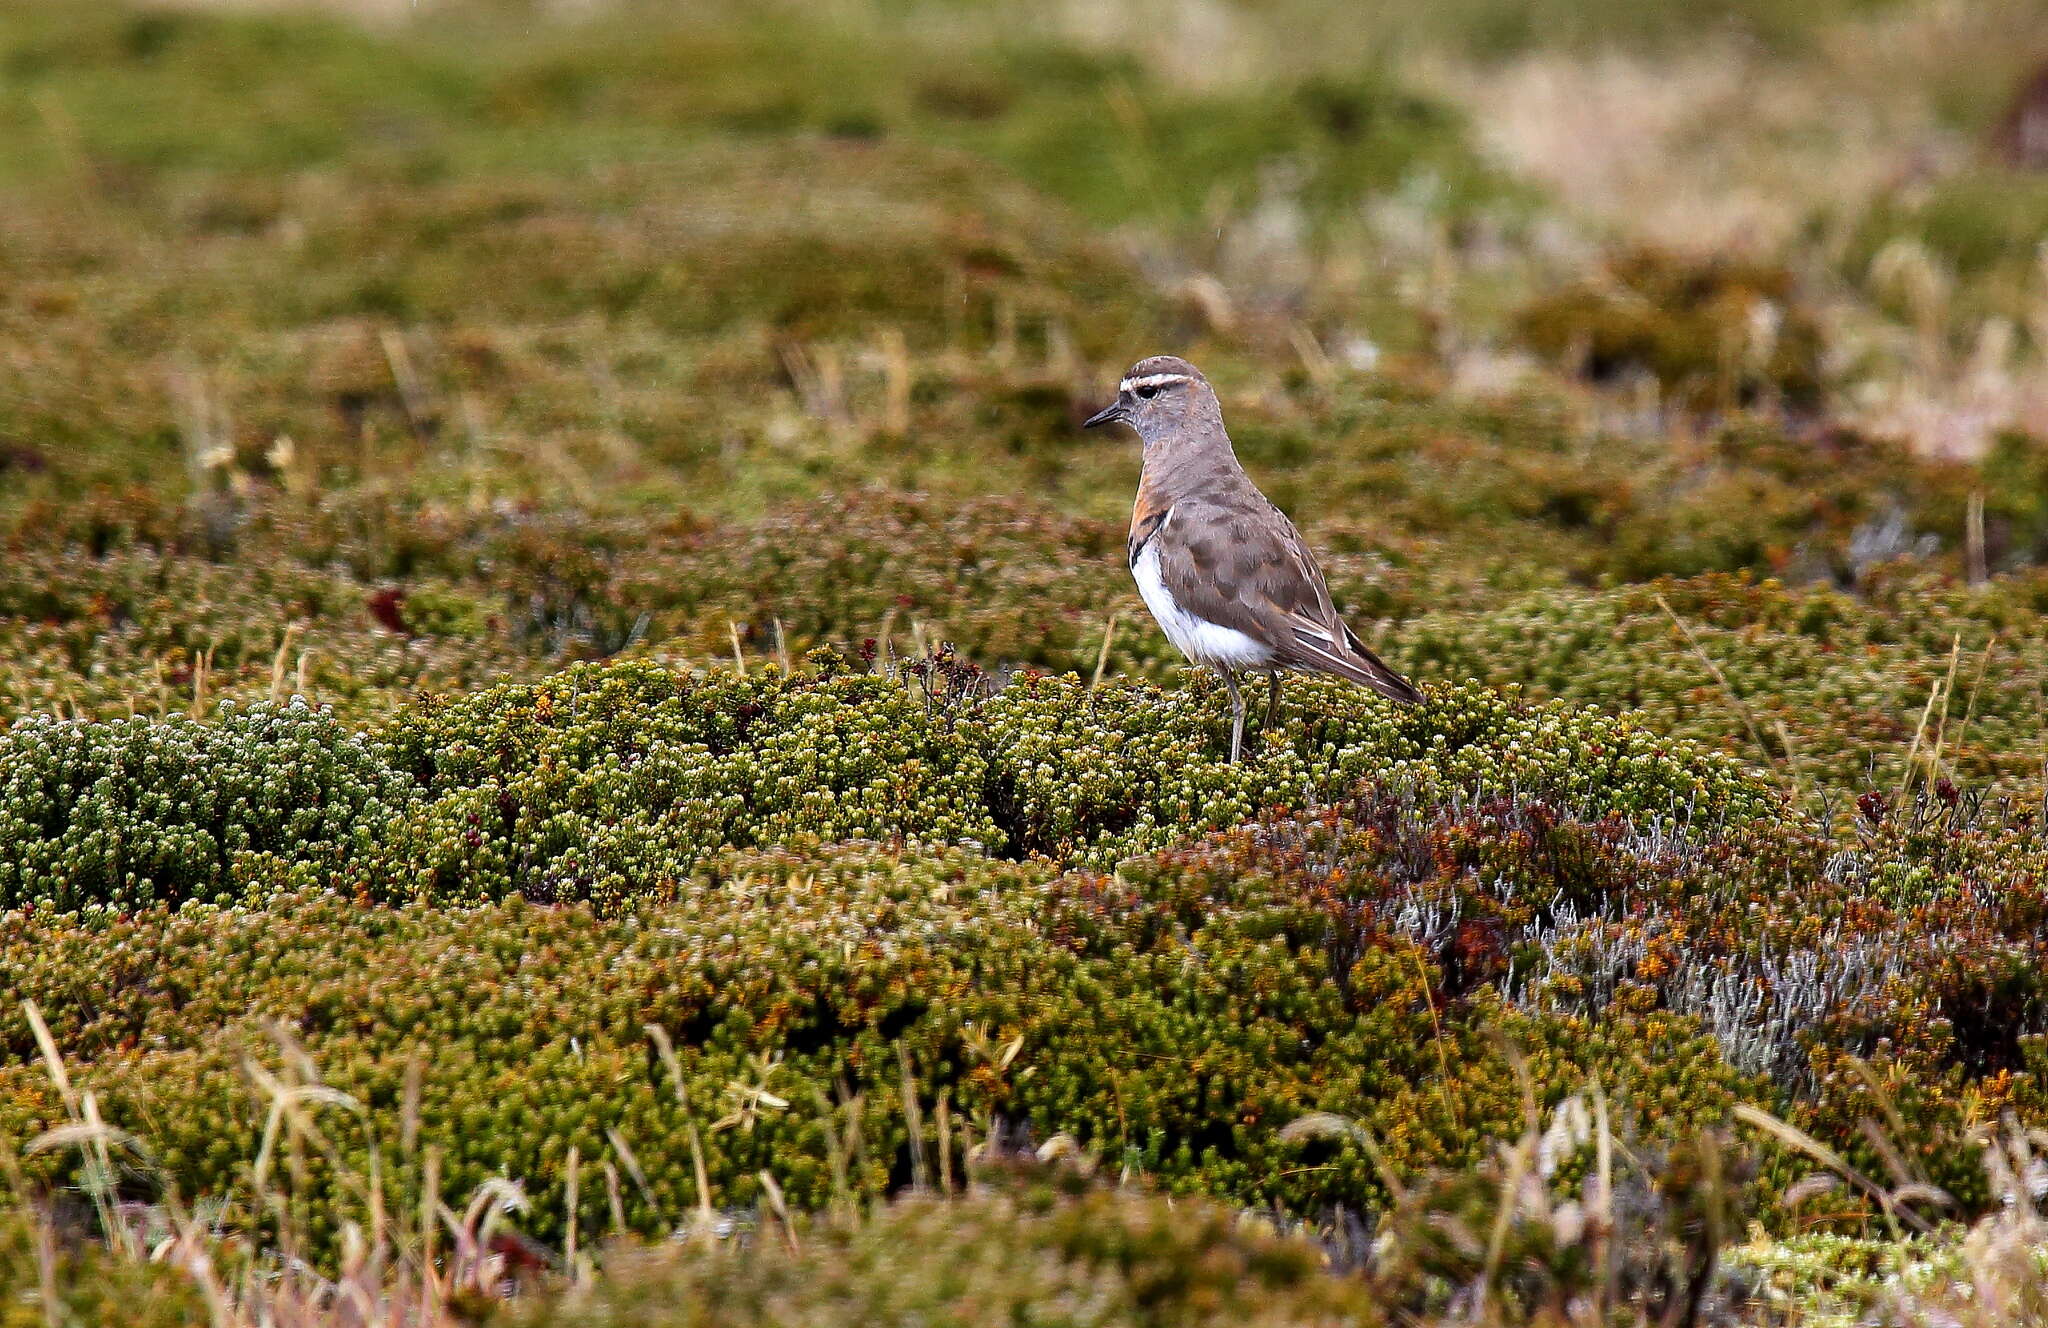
[{"x": 1113, "y": 411}]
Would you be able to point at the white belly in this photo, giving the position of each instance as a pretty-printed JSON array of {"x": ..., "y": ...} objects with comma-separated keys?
[{"x": 1199, "y": 639}]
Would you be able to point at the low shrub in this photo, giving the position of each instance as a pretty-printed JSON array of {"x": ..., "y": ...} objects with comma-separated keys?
[
  {"x": 1174, "y": 1020},
  {"x": 1377, "y": 960},
  {"x": 1828, "y": 687},
  {"x": 1893, "y": 984},
  {"x": 607, "y": 782},
  {"x": 126, "y": 813},
  {"x": 1714, "y": 334}
]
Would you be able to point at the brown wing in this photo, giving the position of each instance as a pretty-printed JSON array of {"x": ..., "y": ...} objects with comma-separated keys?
[{"x": 1240, "y": 563}]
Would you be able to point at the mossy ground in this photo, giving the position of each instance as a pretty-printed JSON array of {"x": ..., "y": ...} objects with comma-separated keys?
[{"x": 518, "y": 531}]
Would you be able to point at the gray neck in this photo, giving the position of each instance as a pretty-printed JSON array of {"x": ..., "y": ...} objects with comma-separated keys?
[
  {"x": 1195, "y": 415},
  {"x": 1191, "y": 456}
]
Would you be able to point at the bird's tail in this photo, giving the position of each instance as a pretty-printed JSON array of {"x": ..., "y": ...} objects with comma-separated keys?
[
  {"x": 1360, "y": 665},
  {"x": 1316, "y": 647}
]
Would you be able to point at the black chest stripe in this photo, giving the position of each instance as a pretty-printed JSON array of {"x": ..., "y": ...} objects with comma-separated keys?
[{"x": 1147, "y": 528}]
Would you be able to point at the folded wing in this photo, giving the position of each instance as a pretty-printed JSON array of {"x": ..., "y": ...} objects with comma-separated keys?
[{"x": 1242, "y": 565}]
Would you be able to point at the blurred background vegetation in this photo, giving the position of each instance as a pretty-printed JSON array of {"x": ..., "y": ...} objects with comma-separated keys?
[{"x": 1687, "y": 362}]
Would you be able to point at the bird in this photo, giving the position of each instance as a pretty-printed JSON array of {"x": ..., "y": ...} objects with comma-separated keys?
[{"x": 1228, "y": 577}]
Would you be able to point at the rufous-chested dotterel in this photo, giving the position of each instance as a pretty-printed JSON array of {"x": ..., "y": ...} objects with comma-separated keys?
[{"x": 1223, "y": 570}]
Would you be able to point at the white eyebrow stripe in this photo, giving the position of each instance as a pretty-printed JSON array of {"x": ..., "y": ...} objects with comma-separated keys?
[{"x": 1152, "y": 380}]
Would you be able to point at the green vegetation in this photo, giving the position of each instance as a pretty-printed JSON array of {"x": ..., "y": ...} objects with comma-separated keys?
[
  {"x": 1027, "y": 1251},
  {"x": 608, "y": 784},
  {"x": 562, "y": 656},
  {"x": 801, "y": 974},
  {"x": 1694, "y": 330}
]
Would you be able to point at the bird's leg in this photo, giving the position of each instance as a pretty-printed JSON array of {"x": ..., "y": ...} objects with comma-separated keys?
[
  {"x": 1236, "y": 715},
  {"x": 1272, "y": 700}
]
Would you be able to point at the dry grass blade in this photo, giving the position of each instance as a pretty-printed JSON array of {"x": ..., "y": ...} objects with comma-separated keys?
[
  {"x": 1061, "y": 1145},
  {"x": 1948, "y": 691},
  {"x": 409, "y": 1102},
  {"x": 1809, "y": 1187},
  {"x": 1903, "y": 1171},
  {"x": 665, "y": 1047},
  {"x": 572, "y": 1175},
  {"x": 1102, "y": 656},
  {"x": 1922, "y": 1193},
  {"x": 896, "y": 379},
  {"x": 292, "y": 632},
  {"x": 1436, "y": 1032},
  {"x": 1315, "y": 361},
  {"x": 1894, "y": 1164},
  {"x": 632, "y": 1165},
  {"x": 85, "y": 1131},
  {"x": 96, "y": 1133},
  {"x": 1326, "y": 1125},
  {"x": 1603, "y": 1211},
  {"x": 1727, "y": 688},
  {"x": 913, "y": 1122},
  {"x": 707, "y": 1226},
  {"x": 616, "y": 1200},
  {"x": 202, "y": 668},
  {"x": 1797, "y": 1138},
  {"x": 190, "y": 1249},
  {"x": 1970, "y": 706},
  {"x": 837, "y": 1151},
  {"x": 1973, "y": 540},
  {"x": 430, "y": 1204},
  {"x": 489, "y": 1203},
  {"x": 289, "y": 1120},
  {"x": 52, "y": 1062},
  {"x": 778, "y": 1205},
  {"x": 404, "y": 378},
  {"x": 1784, "y": 732},
  {"x": 1919, "y": 732}
]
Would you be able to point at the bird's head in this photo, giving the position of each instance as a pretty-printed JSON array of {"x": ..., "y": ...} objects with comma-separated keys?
[{"x": 1162, "y": 397}]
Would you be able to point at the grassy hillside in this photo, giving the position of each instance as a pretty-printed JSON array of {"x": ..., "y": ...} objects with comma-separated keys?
[{"x": 567, "y": 675}]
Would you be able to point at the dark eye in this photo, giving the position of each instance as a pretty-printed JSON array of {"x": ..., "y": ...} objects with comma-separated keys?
[{"x": 1148, "y": 392}]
